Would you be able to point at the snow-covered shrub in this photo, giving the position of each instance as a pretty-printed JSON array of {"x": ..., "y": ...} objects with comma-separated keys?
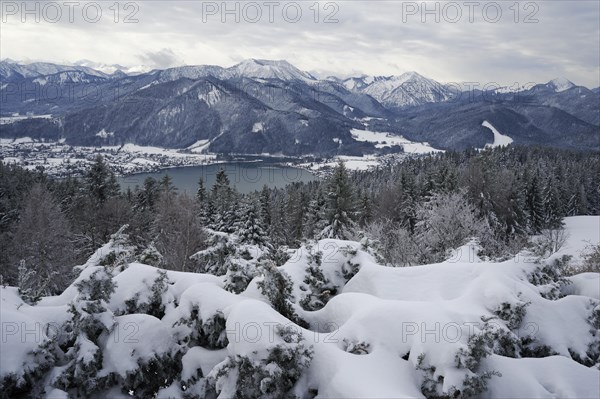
[
  {"x": 356, "y": 347},
  {"x": 591, "y": 259},
  {"x": 154, "y": 305},
  {"x": 550, "y": 241},
  {"x": 273, "y": 376},
  {"x": 150, "y": 256},
  {"x": 276, "y": 286},
  {"x": 30, "y": 382},
  {"x": 475, "y": 382},
  {"x": 213, "y": 260},
  {"x": 209, "y": 333},
  {"x": 119, "y": 251},
  {"x": 550, "y": 277},
  {"x": 317, "y": 286},
  {"x": 238, "y": 276},
  {"x": 90, "y": 320},
  {"x": 31, "y": 286},
  {"x": 280, "y": 255},
  {"x": 512, "y": 314}
]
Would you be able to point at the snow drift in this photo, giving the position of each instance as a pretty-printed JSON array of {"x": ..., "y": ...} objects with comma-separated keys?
[{"x": 461, "y": 328}]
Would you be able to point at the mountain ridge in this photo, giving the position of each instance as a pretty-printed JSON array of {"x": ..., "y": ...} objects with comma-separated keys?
[{"x": 297, "y": 113}]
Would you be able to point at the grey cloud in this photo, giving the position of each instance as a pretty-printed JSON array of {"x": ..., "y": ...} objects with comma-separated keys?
[
  {"x": 370, "y": 37},
  {"x": 161, "y": 59}
]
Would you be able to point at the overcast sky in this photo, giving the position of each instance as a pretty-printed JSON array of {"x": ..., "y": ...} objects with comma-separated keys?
[{"x": 371, "y": 37}]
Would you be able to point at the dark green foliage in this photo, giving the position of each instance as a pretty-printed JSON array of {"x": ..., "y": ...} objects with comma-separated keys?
[
  {"x": 551, "y": 277},
  {"x": 275, "y": 376},
  {"x": 276, "y": 286},
  {"x": 512, "y": 314},
  {"x": 155, "y": 306}
]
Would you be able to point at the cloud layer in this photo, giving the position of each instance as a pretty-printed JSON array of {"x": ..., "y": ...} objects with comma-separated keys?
[{"x": 448, "y": 41}]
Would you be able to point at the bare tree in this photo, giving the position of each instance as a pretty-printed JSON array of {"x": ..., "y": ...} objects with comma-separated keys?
[
  {"x": 446, "y": 221},
  {"x": 179, "y": 233},
  {"x": 42, "y": 243}
]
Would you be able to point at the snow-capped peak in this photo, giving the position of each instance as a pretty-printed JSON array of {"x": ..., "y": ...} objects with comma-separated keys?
[
  {"x": 560, "y": 84},
  {"x": 267, "y": 69}
]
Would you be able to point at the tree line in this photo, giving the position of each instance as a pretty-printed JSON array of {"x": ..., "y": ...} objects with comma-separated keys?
[{"x": 412, "y": 211}]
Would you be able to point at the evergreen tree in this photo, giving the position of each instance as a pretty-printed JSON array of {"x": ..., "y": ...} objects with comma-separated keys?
[
  {"x": 340, "y": 205},
  {"x": 101, "y": 182},
  {"x": 553, "y": 210},
  {"x": 224, "y": 207},
  {"x": 249, "y": 226},
  {"x": 265, "y": 206},
  {"x": 535, "y": 206}
]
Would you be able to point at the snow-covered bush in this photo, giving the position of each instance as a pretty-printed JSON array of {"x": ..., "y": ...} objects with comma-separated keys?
[
  {"x": 90, "y": 320},
  {"x": 153, "y": 305},
  {"x": 31, "y": 286},
  {"x": 272, "y": 375},
  {"x": 209, "y": 333},
  {"x": 239, "y": 274},
  {"x": 150, "y": 256},
  {"x": 213, "y": 259},
  {"x": 276, "y": 286},
  {"x": 550, "y": 277},
  {"x": 317, "y": 289},
  {"x": 550, "y": 241},
  {"x": 591, "y": 259}
]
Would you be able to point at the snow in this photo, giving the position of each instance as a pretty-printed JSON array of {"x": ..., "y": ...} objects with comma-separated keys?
[
  {"x": 267, "y": 69},
  {"x": 135, "y": 338},
  {"x": 582, "y": 233},
  {"x": 383, "y": 139},
  {"x": 199, "y": 146},
  {"x": 499, "y": 139},
  {"x": 104, "y": 134},
  {"x": 400, "y": 313},
  {"x": 560, "y": 84},
  {"x": 212, "y": 97},
  {"x": 258, "y": 127},
  {"x": 12, "y": 119},
  {"x": 585, "y": 284}
]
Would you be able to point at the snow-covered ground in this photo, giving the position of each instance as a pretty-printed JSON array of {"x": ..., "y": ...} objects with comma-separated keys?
[
  {"x": 499, "y": 139},
  {"x": 59, "y": 159},
  {"x": 383, "y": 139},
  {"x": 385, "y": 333}
]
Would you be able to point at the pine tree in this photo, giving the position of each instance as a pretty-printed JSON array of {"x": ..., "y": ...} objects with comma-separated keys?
[
  {"x": 340, "y": 205},
  {"x": 203, "y": 202},
  {"x": 167, "y": 190},
  {"x": 146, "y": 197},
  {"x": 314, "y": 218},
  {"x": 553, "y": 211},
  {"x": 249, "y": 226},
  {"x": 101, "y": 182},
  {"x": 265, "y": 206},
  {"x": 535, "y": 206},
  {"x": 223, "y": 204}
]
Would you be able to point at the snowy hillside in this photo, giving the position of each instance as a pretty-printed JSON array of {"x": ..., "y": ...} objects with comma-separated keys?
[
  {"x": 407, "y": 89},
  {"x": 560, "y": 84},
  {"x": 330, "y": 323}
]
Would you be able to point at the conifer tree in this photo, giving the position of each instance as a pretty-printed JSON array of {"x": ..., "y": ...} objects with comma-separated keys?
[
  {"x": 340, "y": 205},
  {"x": 535, "y": 206}
]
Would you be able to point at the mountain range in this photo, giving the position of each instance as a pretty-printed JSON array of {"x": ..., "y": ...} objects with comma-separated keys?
[{"x": 263, "y": 106}]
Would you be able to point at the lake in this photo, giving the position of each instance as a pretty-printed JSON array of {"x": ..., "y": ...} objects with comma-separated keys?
[{"x": 245, "y": 176}]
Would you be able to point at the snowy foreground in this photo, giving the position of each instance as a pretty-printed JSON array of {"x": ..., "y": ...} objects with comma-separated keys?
[{"x": 465, "y": 327}]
